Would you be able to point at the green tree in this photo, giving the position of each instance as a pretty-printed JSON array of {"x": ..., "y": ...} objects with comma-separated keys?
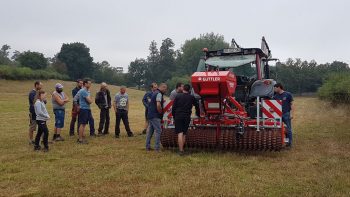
[
  {"x": 336, "y": 88},
  {"x": 152, "y": 63},
  {"x": 301, "y": 76},
  {"x": 77, "y": 59},
  {"x": 176, "y": 79},
  {"x": 58, "y": 65},
  {"x": 33, "y": 60},
  {"x": 334, "y": 67},
  {"x": 166, "y": 60},
  {"x": 292, "y": 75},
  {"x": 137, "y": 71},
  {"x": 15, "y": 55},
  {"x": 191, "y": 52},
  {"x": 103, "y": 72},
  {"x": 110, "y": 74},
  {"x": 4, "y": 53}
]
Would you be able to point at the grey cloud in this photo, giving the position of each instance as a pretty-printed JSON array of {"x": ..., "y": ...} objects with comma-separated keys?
[{"x": 120, "y": 31}]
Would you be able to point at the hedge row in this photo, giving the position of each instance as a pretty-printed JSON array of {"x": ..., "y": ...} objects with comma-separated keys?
[
  {"x": 24, "y": 73},
  {"x": 336, "y": 88}
]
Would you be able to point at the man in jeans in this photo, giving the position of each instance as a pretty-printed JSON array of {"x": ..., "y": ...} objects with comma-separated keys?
[
  {"x": 103, "y": 101},
  {"x": 287, "y": 109},
  {"x": 59, "y": 100},
  {"x": 145, "y": 101},
  {"x": 155, "y": 115},
  {"x": 32, "y": 116},
  {"x": 75, "y": 108},
  {"x": 121, "y": 109},
  {"x": 85, "y": 110}
]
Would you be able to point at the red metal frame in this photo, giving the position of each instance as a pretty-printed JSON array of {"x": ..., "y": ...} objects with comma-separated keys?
[{"x": 221, "y": 108}]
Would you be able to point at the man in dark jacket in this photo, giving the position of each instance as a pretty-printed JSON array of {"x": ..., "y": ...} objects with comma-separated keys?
[
  {"x": 154, "y": 116},
  {"x": 32, "y": 116},
  {"x": 75, "y": 110},
  {"x": 103, "y": 101},
  {"x": 287, "y": 109},
  {"x": 145, "y": 101},
  {"x": 182, "y": 110}
]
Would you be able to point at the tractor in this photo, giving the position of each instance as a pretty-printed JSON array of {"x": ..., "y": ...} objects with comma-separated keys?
[{"x": 237, "y": 109}]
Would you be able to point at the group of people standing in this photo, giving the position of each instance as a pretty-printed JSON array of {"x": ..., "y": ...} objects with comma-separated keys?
[
  {"x": 153, "y": 100},
  {"x": 39, "y": 115},
  {"x": 81, "y": 112},
  {"x": 81, "y": 106},
  {"x": 183, "y": 101},
  {"x": 82, "y": 115}
]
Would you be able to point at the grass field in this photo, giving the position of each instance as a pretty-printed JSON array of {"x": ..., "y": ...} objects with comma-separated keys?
[{"x": 318, "y": 164}]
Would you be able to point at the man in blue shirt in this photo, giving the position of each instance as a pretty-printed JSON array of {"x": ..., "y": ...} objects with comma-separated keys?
[
  {"x": 145, "y": 101},
  {"x": 32, "y": 116},
  {"x": 91, "y": 120},
  {"x": 85, "y": 110},
  {"x": 287, "y": 109},
  {"x": 154, "y": 116}
]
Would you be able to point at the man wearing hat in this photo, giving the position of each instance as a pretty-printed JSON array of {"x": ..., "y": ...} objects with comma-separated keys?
[{"x": 59, "y": 100}]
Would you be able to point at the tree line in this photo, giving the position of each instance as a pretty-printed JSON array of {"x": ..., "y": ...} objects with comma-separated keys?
[
  {"x": 172, "y": 66},
  {"x": 72, "y": 62},
  {"x": 164, "y": 63},
  {"x": 304, "y": 77}
]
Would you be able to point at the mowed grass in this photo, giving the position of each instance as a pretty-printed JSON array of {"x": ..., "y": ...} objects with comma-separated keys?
[{"x": 318, "y": 164}]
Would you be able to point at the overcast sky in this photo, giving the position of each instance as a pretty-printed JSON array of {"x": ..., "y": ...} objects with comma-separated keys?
[{"x": 120, "y": 31}]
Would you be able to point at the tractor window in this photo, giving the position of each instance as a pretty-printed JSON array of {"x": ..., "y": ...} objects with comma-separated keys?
[
  {"x": 241, "y": 63},
  {"x": 246, "y": 70},
  {"x": 201, "y": 65},
  {"x": 230, "y": 61}
]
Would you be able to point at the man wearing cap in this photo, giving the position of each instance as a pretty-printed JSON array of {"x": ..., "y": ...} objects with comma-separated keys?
[
  {"x": 103, "y": 101},
  {"x": 59, "y": 100}
]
